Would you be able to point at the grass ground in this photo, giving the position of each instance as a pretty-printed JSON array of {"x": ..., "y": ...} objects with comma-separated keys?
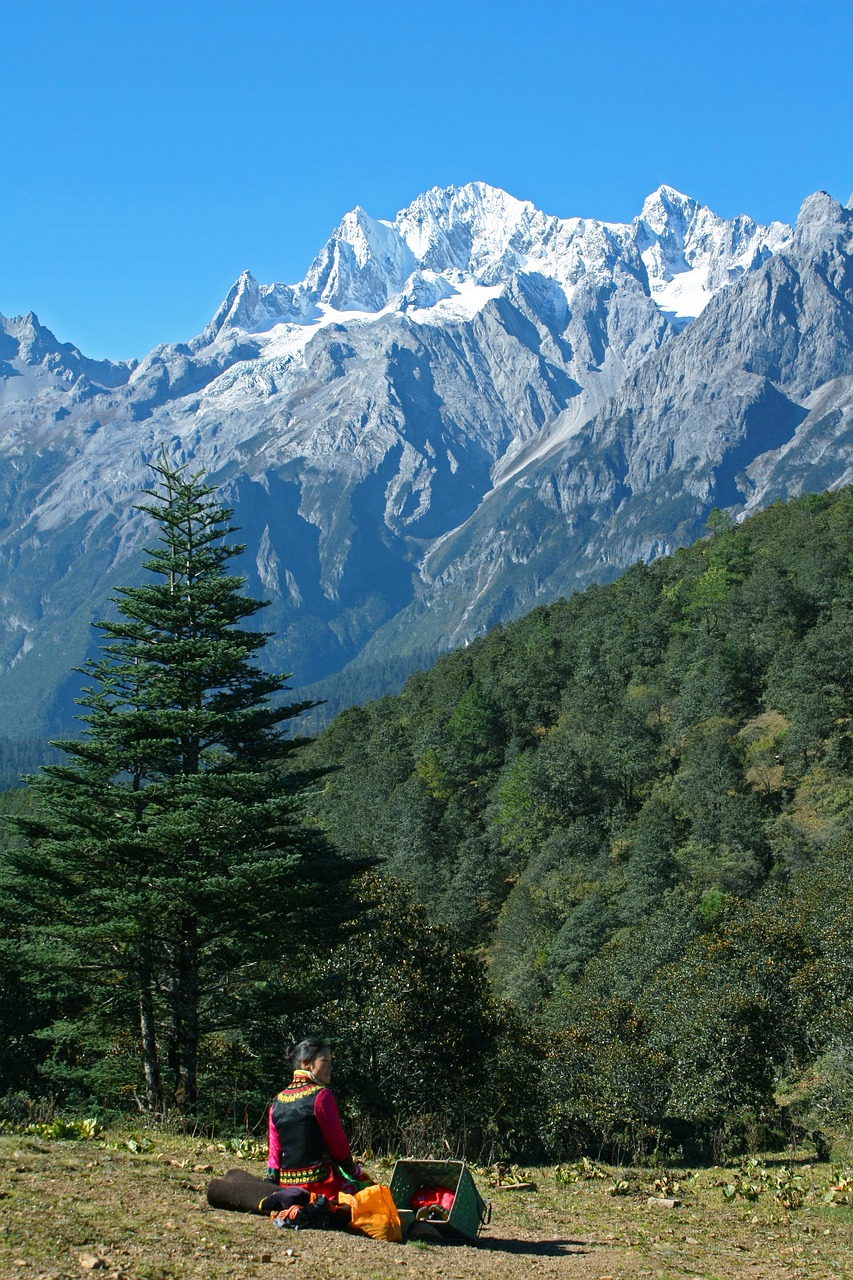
[{"x": 96, "y": 1207}]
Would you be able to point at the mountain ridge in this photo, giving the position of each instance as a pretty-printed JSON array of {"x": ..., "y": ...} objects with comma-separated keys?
[{"x": 433, "y": 407}]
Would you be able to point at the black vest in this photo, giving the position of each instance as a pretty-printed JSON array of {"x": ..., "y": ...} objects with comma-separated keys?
[{"x": 303, "y": 1150}]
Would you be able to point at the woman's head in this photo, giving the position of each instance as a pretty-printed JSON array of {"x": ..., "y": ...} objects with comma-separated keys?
[{"x": 312, "y": 1054}]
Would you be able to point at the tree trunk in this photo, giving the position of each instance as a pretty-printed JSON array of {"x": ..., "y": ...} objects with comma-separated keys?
[
  {"x": 185, "y": 1017},
  {"x": 150, "y": 1064}
]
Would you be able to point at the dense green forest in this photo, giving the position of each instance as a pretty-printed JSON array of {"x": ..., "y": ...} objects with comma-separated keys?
[
  {"x": 611, "y": 904},
  {"x": 633, "y": 805}
]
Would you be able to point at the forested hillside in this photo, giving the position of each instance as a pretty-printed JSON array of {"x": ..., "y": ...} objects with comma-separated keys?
[
  {"x": 611, "y": 906},
  {"x": 634, "y": 804}
]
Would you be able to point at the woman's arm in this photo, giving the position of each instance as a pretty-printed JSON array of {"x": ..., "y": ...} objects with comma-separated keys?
[
  {"x": 274, "y": 1151},
  {"x": 328, "y": 1118}
]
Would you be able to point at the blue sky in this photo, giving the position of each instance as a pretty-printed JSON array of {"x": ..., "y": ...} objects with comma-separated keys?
[{"x": 154, "y": 150}]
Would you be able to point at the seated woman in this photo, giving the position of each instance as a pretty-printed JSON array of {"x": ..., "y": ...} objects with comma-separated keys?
[
  {"x": 310, "y": 1160},
  {"x": 307, "y": 1144}
]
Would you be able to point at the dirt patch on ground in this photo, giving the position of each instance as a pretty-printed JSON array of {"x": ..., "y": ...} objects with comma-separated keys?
[{"x": 69, "y": 1210}]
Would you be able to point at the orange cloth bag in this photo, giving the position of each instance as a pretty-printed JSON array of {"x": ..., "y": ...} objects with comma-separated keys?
[{"x": 373, "y": 1213}]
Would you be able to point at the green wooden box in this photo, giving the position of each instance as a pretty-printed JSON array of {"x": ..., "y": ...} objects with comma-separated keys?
[{"x": 469, "y": 1211}]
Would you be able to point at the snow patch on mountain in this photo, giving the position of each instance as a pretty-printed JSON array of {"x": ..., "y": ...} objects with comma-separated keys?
[
  {"x": 690, "y": 253},
  {"x": 448, "y": 253}
]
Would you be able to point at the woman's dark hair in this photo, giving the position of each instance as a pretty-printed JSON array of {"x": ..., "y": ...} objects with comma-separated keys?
[{"x": 306, "y": 1051}]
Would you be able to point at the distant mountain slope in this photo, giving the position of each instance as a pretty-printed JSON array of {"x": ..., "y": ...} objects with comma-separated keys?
[
  {"x": 683, "y": 730},
  {"x": 750, "y": 403},
  {"x": 455, "y": 415}
]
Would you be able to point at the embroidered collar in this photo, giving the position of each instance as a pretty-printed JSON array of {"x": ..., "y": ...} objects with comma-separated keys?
[
  {"x": 301, "y": 1077},
  {"x": 301, "y": 1086}
]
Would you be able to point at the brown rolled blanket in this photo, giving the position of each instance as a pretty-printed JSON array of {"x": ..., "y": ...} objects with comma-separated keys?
[{"x": 245, "y": 1193}]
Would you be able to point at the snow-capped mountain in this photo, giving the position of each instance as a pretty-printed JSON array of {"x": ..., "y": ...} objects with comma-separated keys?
[
  {"x": 381, "y": 425},
  {"x": 752, "y": 402}
]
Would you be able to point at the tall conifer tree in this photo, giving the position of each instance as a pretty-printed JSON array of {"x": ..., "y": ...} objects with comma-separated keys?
[{"x": 169, "y": 866}]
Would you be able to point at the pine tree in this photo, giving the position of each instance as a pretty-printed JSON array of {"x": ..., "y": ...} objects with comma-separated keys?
[{"x": 169, "y": 866}]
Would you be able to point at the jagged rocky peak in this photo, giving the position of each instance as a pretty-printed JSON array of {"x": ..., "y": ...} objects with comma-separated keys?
[
  {"x": 239, "y": 304},
  {"x": 363, "y": 264},
  {"x": 476, "y": 228},
  {"x": 31, "y": 344},
  {"x": 822, "y": 222},
  {"x": 824, "y": 242},
  {"x": 475, "y": 204},
  {"x": 820, "y": 208},
  {"x": 485, "y": 237},
  {"x": 34, "y": 342},
  {"x": 251, "y": 306},
  {"x": 701, "y": 232},
  {"x": 490, "y": 236},
  {"x": 667, "y": 212},
  {"x": 689, "y": 252}
]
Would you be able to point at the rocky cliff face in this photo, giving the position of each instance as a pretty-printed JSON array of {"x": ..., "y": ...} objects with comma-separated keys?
[
  {"x": 750, "y": 403},
  {"x": 455, "y": 415}
]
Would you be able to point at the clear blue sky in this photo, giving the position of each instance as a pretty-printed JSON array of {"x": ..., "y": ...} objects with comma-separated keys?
[{"x": 153, "y": 149}]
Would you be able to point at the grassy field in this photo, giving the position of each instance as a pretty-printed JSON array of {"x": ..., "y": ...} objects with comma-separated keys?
[{"x": 120, "y": 1208}]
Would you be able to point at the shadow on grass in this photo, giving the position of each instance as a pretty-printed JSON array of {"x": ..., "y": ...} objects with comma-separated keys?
[
  {"x": 535, "y": 1248},
  {"x": 522, "y": 1248}
]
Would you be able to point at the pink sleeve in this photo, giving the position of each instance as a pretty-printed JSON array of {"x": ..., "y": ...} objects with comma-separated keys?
[
  {"x": 274, "y": 1157},
  {"x": 329, "y": 1120}
]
